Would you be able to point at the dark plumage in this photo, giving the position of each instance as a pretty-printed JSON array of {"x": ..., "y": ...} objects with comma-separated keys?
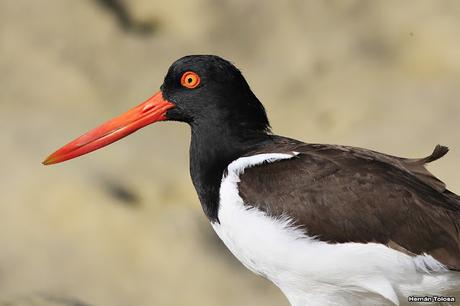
[
  {"x": 226, "y": 118},
  {"x": 337, "y": 193},
  {"x": 346, "y": 194}
]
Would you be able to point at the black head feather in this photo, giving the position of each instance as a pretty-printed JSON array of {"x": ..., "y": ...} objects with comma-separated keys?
[
  {"x": 226, "y": 118},
  {"x": 223, "y": 95}
]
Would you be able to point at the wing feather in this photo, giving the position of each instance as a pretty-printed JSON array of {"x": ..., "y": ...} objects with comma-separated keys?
[{"x": 344, "y": 194}]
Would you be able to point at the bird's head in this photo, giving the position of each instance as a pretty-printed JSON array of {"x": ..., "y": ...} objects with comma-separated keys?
[{"x": 201, "y": 90}]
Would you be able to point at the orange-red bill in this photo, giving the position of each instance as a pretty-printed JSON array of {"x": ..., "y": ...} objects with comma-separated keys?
[{"x": 148, "y": 112}]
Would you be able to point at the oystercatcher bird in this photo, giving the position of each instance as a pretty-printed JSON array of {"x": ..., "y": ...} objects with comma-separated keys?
[{"x": 328, "y": 224}]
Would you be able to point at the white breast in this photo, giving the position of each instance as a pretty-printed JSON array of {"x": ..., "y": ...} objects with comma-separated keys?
[{"x": 312, "y": 272}]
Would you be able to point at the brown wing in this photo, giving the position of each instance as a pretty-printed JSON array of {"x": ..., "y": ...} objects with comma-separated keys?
[{"x": 344, "y": 194}]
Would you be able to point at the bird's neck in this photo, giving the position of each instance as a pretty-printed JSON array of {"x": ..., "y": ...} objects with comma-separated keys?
[{"x": 213, "y": 147}]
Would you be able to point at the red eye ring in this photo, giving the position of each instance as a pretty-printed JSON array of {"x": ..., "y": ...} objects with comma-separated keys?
[{"x": 190, "y": 79}]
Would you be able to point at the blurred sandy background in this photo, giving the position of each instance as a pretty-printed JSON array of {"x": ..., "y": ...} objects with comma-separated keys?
[{"x": 123, "y": 225}]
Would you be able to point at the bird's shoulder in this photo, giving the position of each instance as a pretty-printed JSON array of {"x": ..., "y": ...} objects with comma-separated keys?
[{"x": 350, "y": 159}]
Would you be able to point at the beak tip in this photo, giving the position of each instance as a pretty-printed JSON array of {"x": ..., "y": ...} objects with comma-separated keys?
[{"x": 48, "y": 161}]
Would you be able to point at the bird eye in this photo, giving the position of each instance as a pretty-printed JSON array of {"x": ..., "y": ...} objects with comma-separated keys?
[{"x": 190, "y": 79}]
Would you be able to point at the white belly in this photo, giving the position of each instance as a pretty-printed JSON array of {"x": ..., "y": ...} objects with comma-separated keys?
[{"x": 312, "y": 272}]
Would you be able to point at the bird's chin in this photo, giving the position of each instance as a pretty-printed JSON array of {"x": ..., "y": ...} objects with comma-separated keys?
[{"x": 176, "y": 114}]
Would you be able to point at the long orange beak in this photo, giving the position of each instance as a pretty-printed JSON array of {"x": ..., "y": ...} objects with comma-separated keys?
[{"x": 148, "y": 112}]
